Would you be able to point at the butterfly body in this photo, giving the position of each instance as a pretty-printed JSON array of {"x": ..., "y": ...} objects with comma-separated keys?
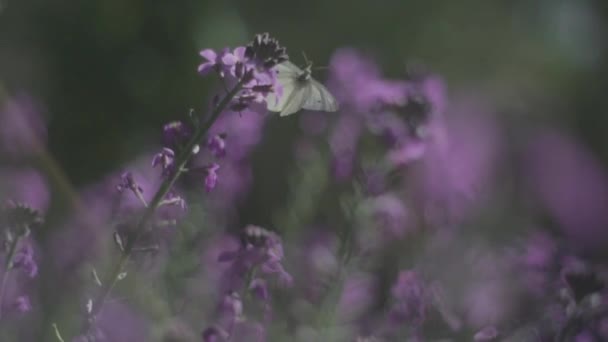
[{"x": 299, "y": 91}]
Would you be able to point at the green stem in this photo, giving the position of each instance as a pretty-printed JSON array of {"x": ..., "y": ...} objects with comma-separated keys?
[
  {"x": 180, "y": 162},
  {"x": 8, "y": 266}
]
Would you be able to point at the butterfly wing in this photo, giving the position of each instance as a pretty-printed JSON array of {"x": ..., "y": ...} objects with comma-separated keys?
[
  {"x": 319, "y": 98},
  {"x": 287, "y": 77},
  {"x": 298, "y": 94},
  {"x": 296, "y": 99}
]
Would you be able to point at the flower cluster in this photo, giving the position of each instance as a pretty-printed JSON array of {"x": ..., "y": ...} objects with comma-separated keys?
[
  {"x": 251, "y": 66},
  {"x": 16, "y": 222},
  {"x": 251, "y": 266}
]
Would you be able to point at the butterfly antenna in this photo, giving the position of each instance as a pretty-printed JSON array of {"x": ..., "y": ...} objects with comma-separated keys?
[{"x": 308, "y": 62}]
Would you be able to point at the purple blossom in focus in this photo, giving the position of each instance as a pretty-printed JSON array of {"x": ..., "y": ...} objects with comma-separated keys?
[
  {"x": 165, "y": 159},
  {"x": 252, "y": 66},
  {"x": 176, "y": 134},
  {"x": 219, "y": 62}
]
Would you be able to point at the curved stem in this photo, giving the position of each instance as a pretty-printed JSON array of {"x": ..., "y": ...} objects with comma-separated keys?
[{"x": 180, "y": 162}]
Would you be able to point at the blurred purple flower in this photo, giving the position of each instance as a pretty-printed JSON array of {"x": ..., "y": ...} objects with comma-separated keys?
[
  {"x": 538, "y": 259},
  {"x": 572, "y": 186},
  {"x": 25, "y": 185},
  {"x": 343, "y": 143},
  {"x": 259, "y": 288},
  {"x": 409, "y": 299},
  {"x": 214, "y": 334},
  {"x": 22, "y": 304},
  {"x": 217, "y": 145},
  {"x": 24, "y": 259},
  {"x": 457, "y": 169},
  {"x": 383, "y": 218},
  {"x": 313, "y": 123},
  {"x": 486, "y": 334},
  {"x": 23, "y": 130},
  {"x": 248, "y": 127},
  {"x": 357, "y": 297},
  {"x": 356, "y": 82},
  {"x": 211, "y": 176},
  {"x": 585, "y": 336},
  {"x": 120, "y": 323},
  {"x": 262, "y": 250}
]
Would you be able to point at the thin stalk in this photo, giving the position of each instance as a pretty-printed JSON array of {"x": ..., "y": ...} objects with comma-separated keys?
[
  {"x": 180, "y": 162},
  {"x": 8, "y": 266}
]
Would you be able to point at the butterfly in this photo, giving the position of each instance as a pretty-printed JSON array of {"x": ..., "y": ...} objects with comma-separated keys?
[{"x": 300, "y": 91}]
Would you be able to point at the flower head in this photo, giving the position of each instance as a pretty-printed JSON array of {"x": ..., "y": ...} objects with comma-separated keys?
[
  {"x": 211, "y": 176},
  {"x": 217, "y": 145},
  {"x": 410, "y": 303},
  {"x": 265, "y": 51},
  {"x": 176, "y": 134},
  {"x": 127, "y": 182},
  {"x": 261, "y": 249},
  {"x": 22, "y": 304},
  {"x": 219, "y": 62},
  {"x": 165, "y": 159},
  {"x": 24, "y": 259}
]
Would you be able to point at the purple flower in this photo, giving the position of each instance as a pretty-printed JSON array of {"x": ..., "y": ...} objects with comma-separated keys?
[
  {"x": 409, "y": 299},
  {"x": 261, "y": 249},
  {"x": 174, "y": 199},
  {"x": 165, "y": 159},
  {"x": 356, "y": 82},
  {"x": 217, "y": 145},
  {"x": 265, "y": 52},
  {"x": 211, "y": 176},
  {"x": 486, "y": 334},
  {"x": 22, "y": 304},
  {"x": 214, "y": 334},
  {"x": 585, "y": 336},
  {"x": 449, "y": 179},
  {"x": 571, "y": 184},
  {"x": 231, "y": 309},
  {"x": 128, "y": 182},
  {"x": 387, "y": 217},
  {"x": 26, "y": 186},
  {"x": 357, "y": 296},
  {"x": 24, "y": 259},
  {"x": 220, "y": 62},
  {"x": 176, "y": 134},
  {"x": 259, "y": 288}
]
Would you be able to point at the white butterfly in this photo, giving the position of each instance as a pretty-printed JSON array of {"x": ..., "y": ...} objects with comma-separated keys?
[{"x": 300, "y": 90}]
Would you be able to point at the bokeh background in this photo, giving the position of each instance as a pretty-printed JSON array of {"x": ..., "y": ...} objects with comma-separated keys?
[{"x": 106, "y": 75}]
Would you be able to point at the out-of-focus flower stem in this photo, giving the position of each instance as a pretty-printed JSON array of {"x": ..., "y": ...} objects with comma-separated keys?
[
  {"x": 8, "y": 266},
  {"x": 164, "y": 188}
]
